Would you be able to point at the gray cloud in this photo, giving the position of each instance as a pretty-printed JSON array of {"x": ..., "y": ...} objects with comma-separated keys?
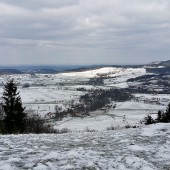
[{"x": 84, "y": 32}]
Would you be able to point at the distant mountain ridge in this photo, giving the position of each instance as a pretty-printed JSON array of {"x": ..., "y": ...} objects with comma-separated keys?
[
  {"x": 52, "y": 69},
  {"x": 160, "y": 63},
  {"x": 35, "y": 69},
  {"x": 166, "y": 63},
  {"x": 158, "y": 67},
  {"x": 10, "y": 71}
]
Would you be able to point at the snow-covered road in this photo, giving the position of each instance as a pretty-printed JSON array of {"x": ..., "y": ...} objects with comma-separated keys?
[{"x": 144, "y": 148}]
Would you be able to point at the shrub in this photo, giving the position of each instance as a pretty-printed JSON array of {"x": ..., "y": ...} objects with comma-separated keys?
[
  {"x": 90, "y": 130},
  {"x": 64, "y": 130},
  {"x": 149, "y": 120},
  {"x": 36, "y": 124},
  {"x": 127, "y": 126},
  {"x": 111, "y": 128},
  {"x": 26, "y": 85}
]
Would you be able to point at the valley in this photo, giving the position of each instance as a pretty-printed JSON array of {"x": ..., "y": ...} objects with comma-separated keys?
[{"x": 41, "y": 93}]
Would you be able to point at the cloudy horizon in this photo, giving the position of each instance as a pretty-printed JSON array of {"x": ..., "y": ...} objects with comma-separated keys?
[{"x": 80, "y": 32}]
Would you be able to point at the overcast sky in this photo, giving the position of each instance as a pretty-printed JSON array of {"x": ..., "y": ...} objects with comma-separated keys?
[{"x": 84, "y": 31}]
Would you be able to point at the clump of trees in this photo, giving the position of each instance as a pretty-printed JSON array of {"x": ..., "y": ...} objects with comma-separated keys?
[
  {"x": 96, "y": 81},
  {"x": 59, "y": 113},
  {"x": 149, "y": 120},
  {"x": 97, "y": 99},
  {"x": 13, "y": 117},
  {"x": 91, "y": 101},
  {"x": 162, "y": 117},
  {"x": 36, "y": 124}
]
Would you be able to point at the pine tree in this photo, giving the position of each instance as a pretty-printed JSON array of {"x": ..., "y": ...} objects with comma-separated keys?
[
  {"x": 167, "y": 113},
  {"x": 149, "y": 120},
  {"x": 14, "y": 120},
  {"x": 159, "y": 116}
]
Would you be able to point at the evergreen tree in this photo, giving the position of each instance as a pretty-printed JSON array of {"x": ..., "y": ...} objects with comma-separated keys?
[
  {"x": 15, "y": 117},
  {"x": 167, "y": 114},
  {"x": 1, "y": 118},
  {"x": 149, "y": 120},
  {"x": 159, "y": 116},
  {"x": 168, "y": 109}
]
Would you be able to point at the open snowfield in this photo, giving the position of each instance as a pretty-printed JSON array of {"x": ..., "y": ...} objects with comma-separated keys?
[
  {"x": 144, "y": 148},
  {"x": 45, "y": 91}
]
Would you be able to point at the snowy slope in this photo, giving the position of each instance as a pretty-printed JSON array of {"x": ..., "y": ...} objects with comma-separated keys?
[
  {"x": 93, "y": 73},
  {"x": 146, "y": 148},
  {"x": 117, "y": 77},
  {"x": 125, "y": 113},
  {"x": 109, "y": 71}
]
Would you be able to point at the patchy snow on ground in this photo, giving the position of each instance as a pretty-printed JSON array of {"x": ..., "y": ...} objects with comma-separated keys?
[{"x": 144, "y": 148}]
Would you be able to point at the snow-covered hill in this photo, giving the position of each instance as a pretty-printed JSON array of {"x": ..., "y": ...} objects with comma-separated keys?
[
  {"x": 107, "y": 71},
  {"x": 146, "y": 148}
]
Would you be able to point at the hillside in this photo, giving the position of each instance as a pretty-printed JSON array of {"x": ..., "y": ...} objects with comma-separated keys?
[
  {"x": 89, "y": 144},
  {"x": 146, "y": 148},
  {"x": 42, "y": 92}
]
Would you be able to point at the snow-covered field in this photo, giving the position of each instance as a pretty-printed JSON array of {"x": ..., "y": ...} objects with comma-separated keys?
[
  {"x": 125, "y": 113},
  {"x": 47, "y": 90},
  {"x": 144, "y": 148}
]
